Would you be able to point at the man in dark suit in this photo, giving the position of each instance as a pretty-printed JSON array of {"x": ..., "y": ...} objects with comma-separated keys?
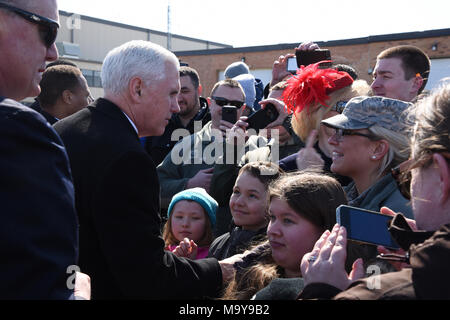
[
  {"x": 116, "y": 184},
  {"x": 38, "y": 229}
]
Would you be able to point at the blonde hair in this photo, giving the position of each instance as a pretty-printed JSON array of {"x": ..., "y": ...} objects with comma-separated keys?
[
  {"x": 398, "y": 148},
  {"x": 309, "y": 118}
]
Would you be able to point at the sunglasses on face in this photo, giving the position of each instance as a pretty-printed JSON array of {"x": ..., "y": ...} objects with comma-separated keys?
[
  {"x": 340, "y": 133},
  {"x": 48, "y": 28},
  {"x": 225, "y": 102}
]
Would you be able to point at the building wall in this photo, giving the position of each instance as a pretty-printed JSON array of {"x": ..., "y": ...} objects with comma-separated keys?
[
  {"x": 361, "y": 56},
  {"x": 97, "y": 37}
]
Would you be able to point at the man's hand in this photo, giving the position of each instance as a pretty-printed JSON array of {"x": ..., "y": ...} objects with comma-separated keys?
[
  {"x": 326, "y": 262},
  {"x": 279, "y": 69},
  {"x": 227, "y": 266},
  {"x": 238, "y": 134},
  {"x": 308, "y": 46},
  {"x": 82, "y": 286},
  {"x": 202, "y": 180}
]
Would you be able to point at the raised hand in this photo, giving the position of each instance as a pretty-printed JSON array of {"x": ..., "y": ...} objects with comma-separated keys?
[
  {"x": 308, "y": 156},
  {"x": 326, "y": 262}
]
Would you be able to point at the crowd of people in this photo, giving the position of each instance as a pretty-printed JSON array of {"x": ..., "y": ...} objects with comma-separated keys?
[{"x": 153, "y": 192}]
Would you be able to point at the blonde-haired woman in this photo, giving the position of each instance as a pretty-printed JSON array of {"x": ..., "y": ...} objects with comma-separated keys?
[
  {"x": 369, "y": 139},
  {"x": 315, "y": 94}
]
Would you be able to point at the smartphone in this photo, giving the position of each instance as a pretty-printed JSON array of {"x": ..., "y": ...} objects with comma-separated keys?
[
  {"x": 305, "y": 58},
  {"x": 229, "y": 113},
  {"x": 263, "y": 117},
  {"x": 366, "y": 226},
  {"x": 292, "y": 65}
]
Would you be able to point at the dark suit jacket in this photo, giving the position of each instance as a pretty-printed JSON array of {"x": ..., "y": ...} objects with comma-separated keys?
[
  {"x": 38, "y": 227},
  {"x": 36, "y": 106},
  {"x": 117, "y": 200}
]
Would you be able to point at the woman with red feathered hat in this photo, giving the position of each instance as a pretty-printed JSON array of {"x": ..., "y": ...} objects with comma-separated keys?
[{"x": 312, "y": 95}]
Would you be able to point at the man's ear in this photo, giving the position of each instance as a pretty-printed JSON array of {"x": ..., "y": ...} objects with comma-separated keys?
[
  {"x": 67, "y": 96},
  {"x": 444, "y": 176},
  {"x": 418, "y": 82},
  {"x": 135, "y": 89},
  {"x": 200, "y": 90},
  {"x": 382, "y": 147}
]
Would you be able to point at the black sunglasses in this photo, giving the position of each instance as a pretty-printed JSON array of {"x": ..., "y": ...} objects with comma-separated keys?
[
  {"x": 346, "y": 132},
  {"x": 49, "y": 27},
  {"x": 225, "y": 102}
]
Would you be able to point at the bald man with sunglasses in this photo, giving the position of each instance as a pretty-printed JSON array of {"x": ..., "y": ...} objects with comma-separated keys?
[{"x": 38, "y": 227}]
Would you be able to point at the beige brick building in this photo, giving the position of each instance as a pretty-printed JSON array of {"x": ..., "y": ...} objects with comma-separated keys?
[
  {"x": 361, "y": 53},
  {"x": 86, "y": 41}
]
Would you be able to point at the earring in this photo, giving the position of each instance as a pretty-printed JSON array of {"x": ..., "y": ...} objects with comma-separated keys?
[{"x": 374, "y": 157}]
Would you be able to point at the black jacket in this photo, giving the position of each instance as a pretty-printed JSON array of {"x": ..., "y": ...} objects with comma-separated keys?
[
  {"x": 117, "y": 200},
  {"x": 234, "y": 242},
  {"x": 38, "y": 229},
  {"x": 36, "y": 106}
]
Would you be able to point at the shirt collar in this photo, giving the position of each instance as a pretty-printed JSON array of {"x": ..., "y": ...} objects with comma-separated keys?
[{"x": 132, "y": 123}]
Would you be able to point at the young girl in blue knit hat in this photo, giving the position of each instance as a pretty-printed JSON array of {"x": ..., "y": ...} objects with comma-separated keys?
[{"x": 192, "y": 217}]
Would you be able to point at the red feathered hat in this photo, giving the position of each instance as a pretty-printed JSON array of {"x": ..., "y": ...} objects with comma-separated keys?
[{"x": 312, "y": 85}]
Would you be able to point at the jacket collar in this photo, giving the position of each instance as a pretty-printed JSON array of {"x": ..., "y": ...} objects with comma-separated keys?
[{"x": 113, "y": 111}]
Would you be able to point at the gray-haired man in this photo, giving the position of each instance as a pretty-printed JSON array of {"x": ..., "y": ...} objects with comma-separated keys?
[{"x": 116, "y": 184}]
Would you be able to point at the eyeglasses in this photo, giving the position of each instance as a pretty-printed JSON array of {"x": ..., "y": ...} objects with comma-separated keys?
[
  {"x": 225, "y": 102},
  {"x": 48, "y": 28},
  {"x": 340, "y": 133},
  {"x": 402, "y": 173},
  {"x": 339, "y": 106}
]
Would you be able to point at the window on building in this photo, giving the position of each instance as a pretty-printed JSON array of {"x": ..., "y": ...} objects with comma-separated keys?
[{"x": 93, "y": 78}]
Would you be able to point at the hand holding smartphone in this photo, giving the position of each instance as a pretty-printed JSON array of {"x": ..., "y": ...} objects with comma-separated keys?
[
  {"x": 366, "y": 226},
  {"x": 263, "y": 117},
  {"x": 307, "y": 57}
]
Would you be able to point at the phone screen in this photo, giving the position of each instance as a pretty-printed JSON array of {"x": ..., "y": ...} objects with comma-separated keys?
[
  {"x": 305, "y": 58},
  {"x": 292, "y": 65},
  {"x": 366, "y": 226}
]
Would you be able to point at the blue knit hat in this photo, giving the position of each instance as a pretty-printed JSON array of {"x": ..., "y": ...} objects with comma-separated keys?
[{"x": 200, "y": 196}]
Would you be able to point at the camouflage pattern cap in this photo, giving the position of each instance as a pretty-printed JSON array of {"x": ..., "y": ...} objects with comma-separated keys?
[{"x": 364, "y": 112}]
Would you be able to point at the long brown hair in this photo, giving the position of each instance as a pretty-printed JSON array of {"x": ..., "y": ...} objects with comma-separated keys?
[{"x": 313, "y": 195}]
